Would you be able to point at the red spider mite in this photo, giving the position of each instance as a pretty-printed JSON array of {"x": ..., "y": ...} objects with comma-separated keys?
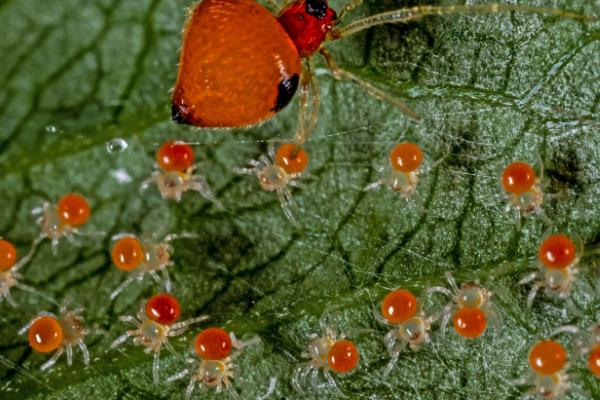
[{"x": 240, "y": 64}]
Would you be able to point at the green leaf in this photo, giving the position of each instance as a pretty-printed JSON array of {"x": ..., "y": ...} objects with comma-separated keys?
[{"x": 491, "y": 89}]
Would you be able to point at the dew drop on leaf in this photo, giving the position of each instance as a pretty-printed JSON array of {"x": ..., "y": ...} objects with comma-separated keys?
[{"x": 116, "y": 145}]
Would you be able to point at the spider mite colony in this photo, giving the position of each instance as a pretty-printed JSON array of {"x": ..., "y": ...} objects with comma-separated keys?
[{"x": 227, "y": 39}]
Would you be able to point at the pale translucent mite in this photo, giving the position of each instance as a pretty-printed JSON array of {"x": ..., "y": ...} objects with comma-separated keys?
[
  {"x": 470, "y": 308},
  {"x": 401, "y": 310},
  {"x": 49, "y": 333},
  {"x": 548, "y": 377},
  {"x": 9, "y": 271},
  {"x": 278, "y": 171},
  {"x": 175, "y": 173},
  {"x": 523, "y": 190},
  {"x": 63, "y": 220},
  {"x": 213, "y": 366},
  {"x": 140, "y": 257},
  {"x": 402, "y": 174},
  {"x": 327, "y": 353},
  {"x": 558, "y": 257},
  {"x": 156, "y": 322}
]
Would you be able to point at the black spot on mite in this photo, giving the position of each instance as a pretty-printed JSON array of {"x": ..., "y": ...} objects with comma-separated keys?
[
  {"x": 317, "y": 8},
  {"x": 179, "y": 114},
  {"x": 285, "y": 92}
]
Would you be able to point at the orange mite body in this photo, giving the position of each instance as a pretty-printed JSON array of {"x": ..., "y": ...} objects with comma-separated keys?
[
  {"x": 547, "y": 357},
  {"x": 238, "y": 66}
]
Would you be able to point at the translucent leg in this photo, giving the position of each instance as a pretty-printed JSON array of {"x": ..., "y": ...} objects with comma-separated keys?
[
  {"x": 528, "y": 278},
  {"x": 405, "y": 15},
  {"x": 238, "y": 344},
  {"x": 156, "y": 367},
  {"x": 391, "y": 364},
  {"x": 123, "y": 285},
  {"x": 145, "y": 184},
  {"x": 190, "y": 388},
  {"x": 570, "y": 329},
  {"x": 9, "y": 299},
  {"x": 287, "y": 205},
  {"x": 200, "y": 185},
  {"x": 52, "y": 360},
  {"x": 25, "y": 259},
  {"x": 170, "y": 348},
  {"x": 84, "y": 352},
  {"x": 331, "y": 382},
  {"x": 183, "y": 235},
  {"x": 299, "y": 375},
  {"x": 303, "y": 96},
  {"x": 180, "y": 327},
  {"x": 128, "y": 318},
  {"x": 314, "y": 378},
  {"x": 178, "y": 376},
  {"x": 156, "y": 277},
  {"x": 451, "y": 281},
  {"x": 119, "y": 341},
  {"x": 341, "y": 74},
  {"x": 445, "y": 319},
  {"x": 438, "y": 289},
  {"x": 309, "y": 94},
  {"x": 270, "y": 389},
  {"x": 167, "y": 280},
  {"x": 373, "y": 186},
  {"x": 533, "y": 293},
  {"x": 69, "y": 351}
]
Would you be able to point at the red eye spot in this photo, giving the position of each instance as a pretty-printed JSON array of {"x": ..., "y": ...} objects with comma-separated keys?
[
  {"x": 518, "y": 178},
  {"x": 594, "y": 361},
  {"x": 127, "y": 253},
  {"x": 213, "y": 344},
  {"x": 175, "y": 156},
  {"x": 73, "y": 209},
  {"x": 469, "y": 322},
  {"x": 163, "y": 308},
  {"x": 45, "y": 334},
  {"x": 547, "y": 357},
  {"x": 406, "y": 157},
  {"x": 8, "y": 255},
  {"x": 343, "y": 356},
  {"x": 399, "y": 306},
  {"x": 292, "y": 158},
  {"x": 557, "y": 251}
]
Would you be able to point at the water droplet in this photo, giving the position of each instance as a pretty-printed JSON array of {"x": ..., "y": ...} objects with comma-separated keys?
[
  {"x": 116, "y": 145},
  {"x": 51, "y": 129}
]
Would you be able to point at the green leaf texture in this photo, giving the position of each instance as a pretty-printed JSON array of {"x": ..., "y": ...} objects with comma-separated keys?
[{"x": 491, "y": 89}]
